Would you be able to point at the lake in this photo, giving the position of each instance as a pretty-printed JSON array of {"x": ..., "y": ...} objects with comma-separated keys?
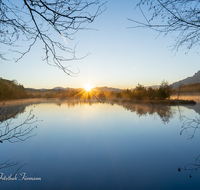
[{"x": 98, "y": 145}]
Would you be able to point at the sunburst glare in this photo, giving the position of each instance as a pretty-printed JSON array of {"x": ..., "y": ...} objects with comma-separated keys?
[{"x": 87, "y": 87}]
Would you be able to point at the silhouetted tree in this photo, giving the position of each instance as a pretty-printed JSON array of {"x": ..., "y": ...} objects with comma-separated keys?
[
  {"x": 34, "y": 20},
  {"x": 182, "y": 17},
  {"x": 126, "y": 93},
  {"x": 164, "y": 91},
  {"x": 140, "y": 87},
  {"x": 151, "y": 93},
  {"x": 140, "y": 92}
]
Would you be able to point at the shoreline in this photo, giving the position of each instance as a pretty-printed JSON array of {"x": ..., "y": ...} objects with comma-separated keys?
[{"x": 123, "y": 100}]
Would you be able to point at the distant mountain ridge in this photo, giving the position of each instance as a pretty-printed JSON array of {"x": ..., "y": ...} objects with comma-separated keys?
[
  {"x": 61, "y": 88},
  {"x": 189, "y": 80},
  {"x": 105, "y": 88}
]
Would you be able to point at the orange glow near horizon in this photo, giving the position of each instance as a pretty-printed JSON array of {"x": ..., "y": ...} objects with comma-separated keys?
[{"x": 87, "y": 87}]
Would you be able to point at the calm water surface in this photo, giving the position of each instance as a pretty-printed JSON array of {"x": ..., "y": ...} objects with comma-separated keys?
[{"x": 109, "y": 145}]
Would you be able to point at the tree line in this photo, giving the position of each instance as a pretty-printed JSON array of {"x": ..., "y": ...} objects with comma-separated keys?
[
  {"x": 11, "y": 90},
  {"x": 142, "y": 93},
  {"x": 189, "y": 88}
]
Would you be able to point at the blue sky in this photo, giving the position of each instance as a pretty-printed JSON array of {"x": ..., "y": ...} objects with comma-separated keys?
[{"x": 120, "y": 57}]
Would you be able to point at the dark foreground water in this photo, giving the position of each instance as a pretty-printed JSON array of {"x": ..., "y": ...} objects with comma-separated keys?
[{"x": 110, "y": 145}]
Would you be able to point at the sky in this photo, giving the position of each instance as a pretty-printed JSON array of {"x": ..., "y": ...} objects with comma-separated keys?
[{"x": 120, "y": 57}]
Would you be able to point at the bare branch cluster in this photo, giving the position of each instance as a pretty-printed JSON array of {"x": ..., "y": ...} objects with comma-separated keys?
[
  {"x": 7, "y": 164},
  {"x": 192, "y": 167},
  {"x": 33, "y": 20},
  {"x": 190, "y": 124},
  {"x": 181, "y": 16}
]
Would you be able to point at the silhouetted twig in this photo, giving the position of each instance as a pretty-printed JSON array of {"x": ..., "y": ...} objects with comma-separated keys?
[
  {"x": 8, "y": 164},
  {"x": 190, "y": 124},
  {"x": 193, "y": 167}
]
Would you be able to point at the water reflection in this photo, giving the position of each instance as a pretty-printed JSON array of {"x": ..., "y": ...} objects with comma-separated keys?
[
  {"x": 71, "y": 141},
  {"x": 191, "y": 167},
  {"x": 163, "y": 111},
  {"x": 9, "y": 164},
  {"x": 7, "y": 112},
  {"x": 16, "y": 132},
  {"x": 190, "y": 126},
  {"x": 12, "y": 132}
]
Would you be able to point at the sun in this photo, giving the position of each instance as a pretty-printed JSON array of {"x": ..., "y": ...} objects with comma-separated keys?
[{"x": 87, "y": 87}]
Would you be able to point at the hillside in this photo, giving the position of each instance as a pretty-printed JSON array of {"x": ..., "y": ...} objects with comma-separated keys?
[
  {"x": 11, "y": 90},
  {"x": 105, "y": 88},
  {"x": 61, "y": 88},
  {"x": 189, "y": 88},
  {"x": 189, "y": 80}
]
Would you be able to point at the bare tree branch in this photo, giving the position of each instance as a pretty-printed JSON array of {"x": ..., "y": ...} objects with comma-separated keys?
[
  {"x": 181, "y": 17},
  {"x": 31, "y": 21}
]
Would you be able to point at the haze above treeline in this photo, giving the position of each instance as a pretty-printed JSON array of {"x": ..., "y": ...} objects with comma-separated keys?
[{"x": 189, "y": 80}]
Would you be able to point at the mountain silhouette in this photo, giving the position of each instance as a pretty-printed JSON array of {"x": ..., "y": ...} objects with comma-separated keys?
[
  {"x": 189, "y": 80},
  {"x": 105, "y": 88}
]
